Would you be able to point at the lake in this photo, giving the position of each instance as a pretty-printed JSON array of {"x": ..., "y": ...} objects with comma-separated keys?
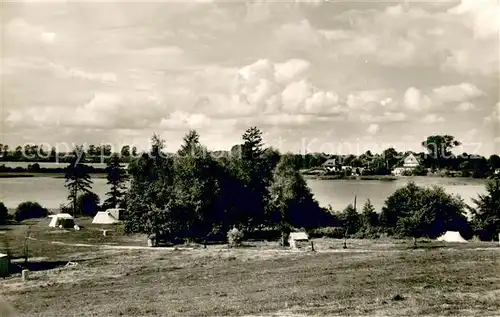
[{"x": 50, "y": 192}]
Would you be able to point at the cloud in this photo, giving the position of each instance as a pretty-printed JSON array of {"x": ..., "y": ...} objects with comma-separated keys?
[
  {"x": 386, "y": 117},
  {"x": 457, "y": 93},
  {"x": 465, "y": 107},
  {"x": 414, "y": 100},
  {"x": 432, "y": 118},
  {"x": 483, "y": 16},
  {"x": 373, "y": 128},
  {"x": 494, "y": 117},
  {"x": 371, "y": 99},
  {"x": 19, "y": 30}
]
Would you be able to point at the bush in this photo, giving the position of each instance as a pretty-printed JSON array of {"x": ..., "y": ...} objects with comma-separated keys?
[
  {"x": 88, "y": 204},
  {"x": 327, "y": 232},
  {"x": 234, "y": 237},
  {"x": 4, "y": 213},
  {"x": 29, "y": 210}
]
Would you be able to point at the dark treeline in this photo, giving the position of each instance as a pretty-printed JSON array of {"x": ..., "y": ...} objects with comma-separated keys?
[
  {"x": 195, "y": 195},
  {"x": 436, "y": 159}
]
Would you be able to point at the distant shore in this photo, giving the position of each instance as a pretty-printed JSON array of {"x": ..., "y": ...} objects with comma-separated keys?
[
  {"x": 342, "y": 177},
  {"x": 48, "y": 175}
]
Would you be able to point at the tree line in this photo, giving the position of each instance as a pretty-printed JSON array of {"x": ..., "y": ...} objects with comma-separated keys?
[
  {"x": 192, "y": 195},
  {"x": 436, "y": 157}
]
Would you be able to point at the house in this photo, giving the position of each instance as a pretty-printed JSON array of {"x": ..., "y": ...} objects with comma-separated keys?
[
  {"x": 332, "y": 165},
  {"x": 411, "y": 161},
  {"x": 298, "y": 240}
]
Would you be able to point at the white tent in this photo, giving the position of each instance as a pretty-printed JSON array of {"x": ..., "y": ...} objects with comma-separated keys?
[
  {"x": 297, "y": 237},
  {"x": 104, "y": 218},
  {"x": 58, "y": 220},
  {"x": 451, "y": 236},
  {"x": 117, "y": 213}
]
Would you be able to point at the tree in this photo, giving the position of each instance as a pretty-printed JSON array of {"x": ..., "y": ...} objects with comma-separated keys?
[
  {"x": 149, "y": 198},
  {"x": 417, "y": 211},
  {"x": 350, "y": 219},
  {"x": 195, "y": 189},
  {"x": 486, "y": 214},
  {"x": 125, "y": 151},
  {"x": 78, "y": 179},
  {"x": 439, "y": 149},
  {"x": 255, "y": 172},
  {"x": 494, "y": 161},
  {"x": 4, "y": 214},
  {"x": 29, "y": 210},
  {"x": 117, "y": 178},
  {"x": 369, "y": 218},
  {"x": 291, "y": 201},
  {"x": 88, "y": 204}
]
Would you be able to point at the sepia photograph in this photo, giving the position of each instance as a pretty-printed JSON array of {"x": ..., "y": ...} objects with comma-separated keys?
[{"x": 249, "y": 158}]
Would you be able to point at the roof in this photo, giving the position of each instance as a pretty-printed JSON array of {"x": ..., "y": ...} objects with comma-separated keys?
[
  {"x": 330, "y": 162},
  {"x": 3, "y": 255},
  {"x": 299, "y": 236},
  {"x": 66, "y": 216},
  {"x": 115, "y": 209}
]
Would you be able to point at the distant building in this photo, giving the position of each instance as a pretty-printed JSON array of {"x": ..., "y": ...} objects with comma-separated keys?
[
  {"x": 332, "y": 165},
  {"x": 409, "y": 163}
]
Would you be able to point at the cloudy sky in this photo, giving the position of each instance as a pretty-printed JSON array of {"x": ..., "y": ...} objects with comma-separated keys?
[{"x": 313, "y": 75}]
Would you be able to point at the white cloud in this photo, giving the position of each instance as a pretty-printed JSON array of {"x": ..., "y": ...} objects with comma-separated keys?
[
  {"x": 414, "y": 100},
  {"x": 465, "y": 107},
  {"x": 494, "y": 117},
  {"x": 432, "y": 118},
  {"x": 386, "y": 117},
  {"x": 371, "y": 99},
  {"x": 483, "y": 16},
  {"x": 19, "y": 30},
  {"x": 373, "y": 128},
  {"x": 457, "y": 93}
]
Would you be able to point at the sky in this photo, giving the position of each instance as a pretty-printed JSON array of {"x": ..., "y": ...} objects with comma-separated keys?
[{"x": 314, "y": 76}]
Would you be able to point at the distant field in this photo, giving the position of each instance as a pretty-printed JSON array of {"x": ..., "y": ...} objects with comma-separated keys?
[{"x": 370, "y": 278}]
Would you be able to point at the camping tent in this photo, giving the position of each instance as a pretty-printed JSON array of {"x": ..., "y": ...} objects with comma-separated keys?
[
  {"x": 451, "y": 236},
  {"x": 4, "y": 265},
  {"x": 104, "y": 218},
  {"x": 65, "y": 220},
  {"x": 297, "y": 237},
  {"x": 117, "y": 213}
]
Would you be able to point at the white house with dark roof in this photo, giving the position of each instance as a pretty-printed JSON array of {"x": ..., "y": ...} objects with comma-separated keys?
[{"x": 409, "y": 163}]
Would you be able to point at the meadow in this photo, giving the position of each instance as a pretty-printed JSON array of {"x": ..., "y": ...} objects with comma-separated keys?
[{"x": 116, "y": 275}]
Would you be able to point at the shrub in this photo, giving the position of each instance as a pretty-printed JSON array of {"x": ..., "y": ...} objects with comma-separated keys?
[
  {"x": 234, "y": 237},
  {"x": 4, "y": 213},
  {"x": 88, "y": 204},
  {"x": 29, "y": 210},
  {"x": 327, "y": 232}
]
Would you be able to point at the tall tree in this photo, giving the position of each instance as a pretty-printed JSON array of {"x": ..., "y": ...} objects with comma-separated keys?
[
  {"x": 486, "y": 214},
  {"x": 369, "y": 218},
  {"x": 117, "y": 178},
  {"x": 291, "y": 201},
  {"x": 439, "y": 149},
  {"x": 78, "y": 179}
]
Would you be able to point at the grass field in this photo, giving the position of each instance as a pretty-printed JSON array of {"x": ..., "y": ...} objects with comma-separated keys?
[{"x": 378, "y": 277}]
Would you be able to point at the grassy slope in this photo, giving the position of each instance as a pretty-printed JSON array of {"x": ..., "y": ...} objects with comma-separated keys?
[{"x": 261, "y": 280}]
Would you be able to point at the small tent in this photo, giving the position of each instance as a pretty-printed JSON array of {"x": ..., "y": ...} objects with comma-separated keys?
[
  {"x": 297, "y": 239},
  {"x": 65, "y": 220},
  {"x": 117, "y": 213},
  {"x": 4, "y": 266},
  {"x": 104, "y": 218},
  {"x": 451, "y": 236}
]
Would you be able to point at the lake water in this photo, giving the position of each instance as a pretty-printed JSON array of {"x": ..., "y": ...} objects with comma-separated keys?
[{"x": 50, "y": 192}]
